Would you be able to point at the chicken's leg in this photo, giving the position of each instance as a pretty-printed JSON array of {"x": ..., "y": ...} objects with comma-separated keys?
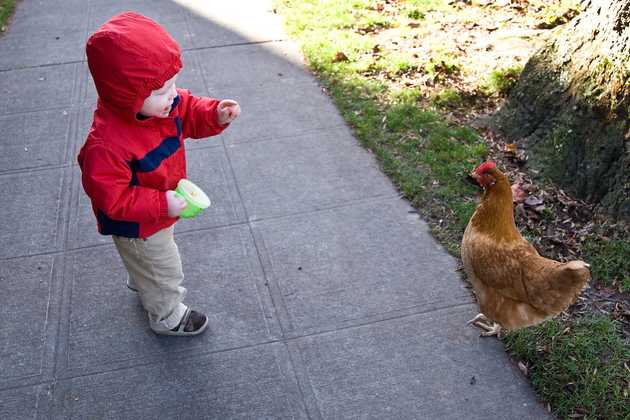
[{"x": 489, "y": 328}]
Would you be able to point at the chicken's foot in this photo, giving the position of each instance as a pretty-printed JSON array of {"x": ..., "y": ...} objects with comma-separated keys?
[{"x": 489, "y": 328}]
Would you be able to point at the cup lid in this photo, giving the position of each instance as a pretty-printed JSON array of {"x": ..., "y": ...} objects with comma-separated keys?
[{"x": 193, "y": 193}]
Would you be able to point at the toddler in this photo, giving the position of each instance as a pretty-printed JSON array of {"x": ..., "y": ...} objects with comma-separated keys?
[{"x": 134, "y": 156}]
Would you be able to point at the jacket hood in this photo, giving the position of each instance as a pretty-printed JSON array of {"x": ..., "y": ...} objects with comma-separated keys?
[{"x": 129, "y": 56}]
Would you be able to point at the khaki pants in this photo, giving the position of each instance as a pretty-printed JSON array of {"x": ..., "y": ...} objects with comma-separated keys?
[{"x": 155, "y": 271}]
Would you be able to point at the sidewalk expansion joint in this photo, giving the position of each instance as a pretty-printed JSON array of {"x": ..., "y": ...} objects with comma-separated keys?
[
  {"x": 39, "y": 66},
  {"x": 210, "y": 47},
  {"x": 236, "y": 44},
  {"x": 284, "y": 340}
]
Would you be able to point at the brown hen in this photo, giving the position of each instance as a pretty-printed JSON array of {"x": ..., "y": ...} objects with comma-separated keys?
[{"x": 515, "y": 286}]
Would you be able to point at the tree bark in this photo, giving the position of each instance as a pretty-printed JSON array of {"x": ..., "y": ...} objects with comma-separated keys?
[{"x": 571, "y": 106}]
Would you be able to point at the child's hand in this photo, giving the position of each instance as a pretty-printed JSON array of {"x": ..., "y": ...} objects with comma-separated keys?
[
  {"x": 176, "y": 204},
  {"x": 227, "y": 111}
]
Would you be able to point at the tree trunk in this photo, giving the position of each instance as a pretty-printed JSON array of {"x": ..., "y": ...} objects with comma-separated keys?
[{"x": 571, "y": 106}]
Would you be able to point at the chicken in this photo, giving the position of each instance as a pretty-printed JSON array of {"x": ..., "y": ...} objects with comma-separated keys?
[{"x": 514, "y": 285}]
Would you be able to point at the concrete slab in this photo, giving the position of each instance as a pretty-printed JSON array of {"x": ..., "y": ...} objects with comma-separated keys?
[
  {"x": 355, "y": 264},
  {"x": 273, "y": 63},
  {"x": 105, "y": 326},
  {"x": 36, "y": 48},
  {"x": 24, "y": 310},
  {"x": 304, "y": 173},
  {"x": 32, "y": 10},
  {"x": 32, "y": 214},
  {"x": 191, "y": 77},
  {"x": 87, "y": 91},
  {"x": 19, "y": 403},
  {"x": 38, "y": 17},
  {"x": 40, "y": 34},
  {"x": 79, "y": 131},
  {"x": 210, "y": 169},
  {"x": 159, "y": 10},
  {"x": 168, "y": 13},
  {"x": 35, "y": 89},
  {"x": 82, "y": 229},
  {"x": 234, "y": 22},
  {"x": 250, "y": 383},
  {"x": 35, "y": 139},
  {"x": 430, "y": 366},
  {"x": 272, "y": 112}
]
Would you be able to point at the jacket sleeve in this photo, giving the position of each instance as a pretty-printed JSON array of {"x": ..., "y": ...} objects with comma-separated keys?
[
  {"x": 199, "y": 116},
  {"x": 106, "y": 179}
]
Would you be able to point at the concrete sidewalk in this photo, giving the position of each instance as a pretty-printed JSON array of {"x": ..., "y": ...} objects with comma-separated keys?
[{"x": 327, "y": 296}]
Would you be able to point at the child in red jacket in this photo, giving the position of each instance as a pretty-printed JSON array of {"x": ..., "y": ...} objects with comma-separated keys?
[{"x": 134, "y": 156}]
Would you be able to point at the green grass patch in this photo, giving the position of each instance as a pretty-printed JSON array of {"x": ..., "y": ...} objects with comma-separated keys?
[
  {"x": 579, "y": 370},
  {"x": 415, "y": 14},
  {"x": 501, "y": 81},
  {"x": 6, "y": 10},
  {"x": 442, "y": 64},
  {"x": 610, "y": 261},
  {"x": 447, "y": 98}
]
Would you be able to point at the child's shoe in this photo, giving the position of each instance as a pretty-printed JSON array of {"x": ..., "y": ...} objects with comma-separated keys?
[{"x": 191, "y": 323}]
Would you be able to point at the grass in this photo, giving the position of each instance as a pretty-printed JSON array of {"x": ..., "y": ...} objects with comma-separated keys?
[
  {"x": 501, "y": 81},
  {"x": 427, "y": 158},
  {"x": 610, "y": 262},
  {"x": 582, "y": 368},
  {"x": 6, "y": 9},
  {"x": 447, "y": 98}
]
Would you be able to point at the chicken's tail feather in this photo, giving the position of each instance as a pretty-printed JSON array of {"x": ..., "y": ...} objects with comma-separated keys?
[{"x": 577, "y": 265}]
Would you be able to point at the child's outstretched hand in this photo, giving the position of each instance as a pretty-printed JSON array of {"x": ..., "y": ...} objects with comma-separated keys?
[
  {"x": 176, "y": 204},
  {"x": 227, "y": 111}
]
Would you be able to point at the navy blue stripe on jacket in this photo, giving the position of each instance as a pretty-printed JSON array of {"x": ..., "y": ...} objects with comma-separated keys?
[
  {"x": 117, "y": 227},
  {"x": 154, "y": 158}
]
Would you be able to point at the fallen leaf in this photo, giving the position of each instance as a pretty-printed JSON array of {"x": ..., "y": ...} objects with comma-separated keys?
[
  {"x": 340, "y": 56},
  {"x": 523, "y": 368},
  {"x": 533, "y": 201},
  {"x": 518, "y": 195},
  {"x": 510, "y": 148}
]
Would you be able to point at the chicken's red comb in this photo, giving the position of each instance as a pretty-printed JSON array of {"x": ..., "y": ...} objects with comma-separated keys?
[{"x": 485, "y": 167}]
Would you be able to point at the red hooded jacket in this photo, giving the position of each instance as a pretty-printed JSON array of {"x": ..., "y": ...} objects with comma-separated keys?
[{"x": 127, "y": 163}]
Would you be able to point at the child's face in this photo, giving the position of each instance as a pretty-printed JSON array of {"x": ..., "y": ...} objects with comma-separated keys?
[{"x": 158, "y": 104}]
